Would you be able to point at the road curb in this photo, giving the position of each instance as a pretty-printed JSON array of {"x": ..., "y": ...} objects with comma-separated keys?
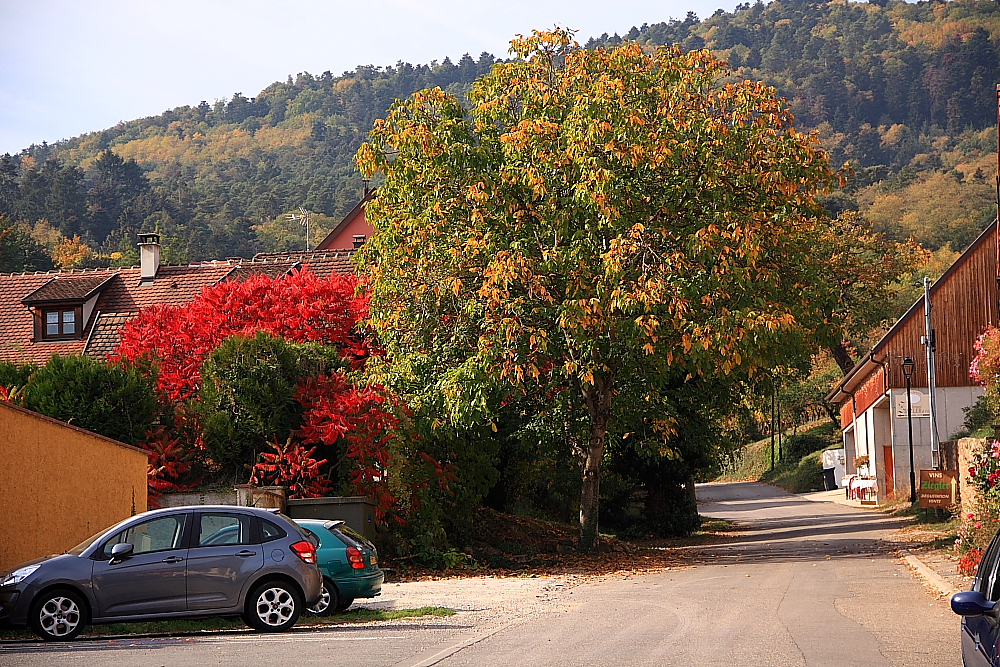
[{"x": 944, "y": 587}]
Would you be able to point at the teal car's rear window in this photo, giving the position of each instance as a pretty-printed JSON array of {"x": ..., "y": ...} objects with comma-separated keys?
[{"x": 353, "y": 538}]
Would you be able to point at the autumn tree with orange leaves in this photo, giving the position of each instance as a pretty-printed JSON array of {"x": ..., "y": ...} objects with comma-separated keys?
[{"x": 596, "y": 222}]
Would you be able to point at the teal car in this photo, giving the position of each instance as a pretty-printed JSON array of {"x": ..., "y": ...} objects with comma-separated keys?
[{"x": 349, "y": 564}]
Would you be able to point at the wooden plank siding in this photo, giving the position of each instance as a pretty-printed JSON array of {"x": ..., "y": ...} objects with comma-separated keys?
[{"x": 965, "y": 302}]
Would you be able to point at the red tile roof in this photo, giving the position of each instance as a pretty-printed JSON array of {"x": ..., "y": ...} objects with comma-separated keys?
[
  {"x": 69, "y": 288},
  {"x": 124, "y": 293},
  {"x": 323, "y": 263},
  {"x": 17, "y": 326},
  {"x": 173, "y": 284},
  {"x": 105, "y": 334}
]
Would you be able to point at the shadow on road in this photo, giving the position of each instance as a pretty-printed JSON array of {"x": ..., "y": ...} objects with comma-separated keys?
[{"x": 773, "y": 524}]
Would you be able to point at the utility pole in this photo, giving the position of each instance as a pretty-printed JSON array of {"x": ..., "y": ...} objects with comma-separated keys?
[
  {"x": 928, "y": 341},
  {"x": 777, "y": 414}
]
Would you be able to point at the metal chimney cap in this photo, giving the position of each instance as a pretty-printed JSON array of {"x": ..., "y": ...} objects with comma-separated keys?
[{"x": 149, "y": 237}]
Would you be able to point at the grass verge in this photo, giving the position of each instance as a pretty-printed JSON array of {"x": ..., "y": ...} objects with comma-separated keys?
[
  {"x": 217, "y": 624},
  {"x": 800, "y": 476},
  {"x": 800, "y": 471}
]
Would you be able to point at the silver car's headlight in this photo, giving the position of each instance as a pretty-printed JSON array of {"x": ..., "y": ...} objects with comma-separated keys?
[{"x": 17, "y": 576}]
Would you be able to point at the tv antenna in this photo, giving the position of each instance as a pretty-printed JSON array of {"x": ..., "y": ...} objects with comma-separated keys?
[{"x": 303, "y": 219}]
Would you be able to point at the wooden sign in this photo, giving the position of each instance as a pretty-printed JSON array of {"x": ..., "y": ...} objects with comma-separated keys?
[{"x": 937, "y": 488}]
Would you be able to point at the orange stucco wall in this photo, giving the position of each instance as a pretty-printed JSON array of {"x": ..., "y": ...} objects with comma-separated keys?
[{"x": 60, "y": 484}]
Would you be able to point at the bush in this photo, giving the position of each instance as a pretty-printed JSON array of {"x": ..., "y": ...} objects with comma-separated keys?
[
  {"x": 797, "y": 476},
  {"x": 248, "y": 397},
  {"x": 116, "y": 401},
  {"x": 676, "y": 518},
  {"x": 13, "y": 375},
  {"x": 978, "y": 417},
  {"x": 795, "y": 447}
]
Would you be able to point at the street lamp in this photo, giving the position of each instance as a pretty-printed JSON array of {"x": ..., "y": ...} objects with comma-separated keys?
[{"x": 908, "y": 366}]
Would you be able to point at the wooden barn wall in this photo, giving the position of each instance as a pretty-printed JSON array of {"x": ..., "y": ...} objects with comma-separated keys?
[
  {"x": 869, "y": 392},
  {"x": 965, "y": 303},
  {"x": 846, "y": 414}
]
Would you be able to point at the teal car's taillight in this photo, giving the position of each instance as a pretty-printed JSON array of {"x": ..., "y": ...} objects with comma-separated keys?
[{"x": 355, "y": 558}]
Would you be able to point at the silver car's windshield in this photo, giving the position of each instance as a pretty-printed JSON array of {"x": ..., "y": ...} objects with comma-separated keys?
[{"x": 82, "y": 546}]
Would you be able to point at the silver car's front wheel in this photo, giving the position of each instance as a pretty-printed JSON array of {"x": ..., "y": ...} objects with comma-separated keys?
[
  {"x": 273, "y": 607},
  {"x": 58, "y": 616}
]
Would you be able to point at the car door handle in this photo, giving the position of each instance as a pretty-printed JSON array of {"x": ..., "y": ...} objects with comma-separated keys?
[
  {"x": 245, "y": 553},
  {"x": 173, "y": 559}
]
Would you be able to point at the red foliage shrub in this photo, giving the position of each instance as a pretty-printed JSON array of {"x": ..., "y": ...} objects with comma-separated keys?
[
  {"x": 300, "y": 307},
  {"x": 169, "y": 461},
  {"x": 335, "y": 409},
  {"x": 11, "y": 395},
  {"x": 292, "y": 466}
]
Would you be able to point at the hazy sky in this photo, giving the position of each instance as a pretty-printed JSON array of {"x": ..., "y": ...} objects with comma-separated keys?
[{"x": 69, "y": 67}]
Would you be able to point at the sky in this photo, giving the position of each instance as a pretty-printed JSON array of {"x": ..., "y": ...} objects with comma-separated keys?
[{"x": 69, "y": 67}]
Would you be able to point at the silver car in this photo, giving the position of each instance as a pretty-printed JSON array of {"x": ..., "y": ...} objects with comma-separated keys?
[{"x": 179, "y": 562}]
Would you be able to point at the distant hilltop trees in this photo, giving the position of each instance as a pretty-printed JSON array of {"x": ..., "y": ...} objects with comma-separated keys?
[{"x": 904, "y": 92}]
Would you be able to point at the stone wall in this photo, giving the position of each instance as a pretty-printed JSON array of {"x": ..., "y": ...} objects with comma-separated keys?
[{"x": 967, "y": 448}]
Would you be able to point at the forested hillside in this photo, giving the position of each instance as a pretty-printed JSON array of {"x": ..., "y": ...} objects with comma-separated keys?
[{"x": 904, "y": 92}]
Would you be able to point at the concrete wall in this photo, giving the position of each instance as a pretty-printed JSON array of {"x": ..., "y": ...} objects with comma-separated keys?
[
  {"x": 878, "y": 426},
  {"x": 217, "y": 497},
  {"x": 951, "y": 402},
  {"x": 60, "y": 484}
]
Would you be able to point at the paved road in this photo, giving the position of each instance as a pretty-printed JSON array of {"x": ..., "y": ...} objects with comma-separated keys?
[{"x": 809, "y": 584}]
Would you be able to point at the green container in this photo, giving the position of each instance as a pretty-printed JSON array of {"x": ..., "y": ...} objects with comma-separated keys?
[{"x": 358, "y": 512}]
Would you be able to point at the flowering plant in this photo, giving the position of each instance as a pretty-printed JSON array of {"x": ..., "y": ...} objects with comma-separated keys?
[
  {"x": 860, "y": 461},
  {"x": 968, "y": 563},
  {"x": 985, "y": 368},
  {"x": 979, "y": 525},
  {"x": 984, "y": 473}
]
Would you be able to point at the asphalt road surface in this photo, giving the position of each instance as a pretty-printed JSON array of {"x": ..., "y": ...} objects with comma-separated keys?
[{"x": 809, "y": 584}]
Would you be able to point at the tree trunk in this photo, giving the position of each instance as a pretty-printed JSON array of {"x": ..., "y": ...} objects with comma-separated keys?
[
  {"x": 842, "y": 357},
  {"x": 599, "y": 406}
]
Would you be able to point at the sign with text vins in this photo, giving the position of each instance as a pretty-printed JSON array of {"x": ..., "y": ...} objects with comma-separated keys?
[{"x": 937, "y": 488}]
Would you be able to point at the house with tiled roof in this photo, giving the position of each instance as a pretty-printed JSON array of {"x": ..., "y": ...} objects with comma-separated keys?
[
  {"x": 83, "y": 311},
  {"x": 353, "y": 230}
]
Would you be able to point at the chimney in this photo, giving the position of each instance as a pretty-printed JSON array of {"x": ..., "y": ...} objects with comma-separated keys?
[
  {"x": 149, "y": 255},
  {"x": 359, "y": 240}
]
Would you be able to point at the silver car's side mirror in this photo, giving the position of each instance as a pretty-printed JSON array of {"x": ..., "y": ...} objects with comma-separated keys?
[{"x": 120, "y": 552}]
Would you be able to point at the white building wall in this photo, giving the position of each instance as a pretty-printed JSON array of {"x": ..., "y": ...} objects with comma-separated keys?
[{"x": 951, "y": 417}]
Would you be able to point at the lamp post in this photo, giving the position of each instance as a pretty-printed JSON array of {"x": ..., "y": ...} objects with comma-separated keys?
[{"x": 907, "y": 373}]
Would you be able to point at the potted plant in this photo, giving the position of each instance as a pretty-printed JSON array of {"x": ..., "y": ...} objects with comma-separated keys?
[{"x": 861, "y": 462}]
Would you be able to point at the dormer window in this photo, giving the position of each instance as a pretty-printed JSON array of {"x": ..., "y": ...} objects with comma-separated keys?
[{"x": 63, "y": 306}]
